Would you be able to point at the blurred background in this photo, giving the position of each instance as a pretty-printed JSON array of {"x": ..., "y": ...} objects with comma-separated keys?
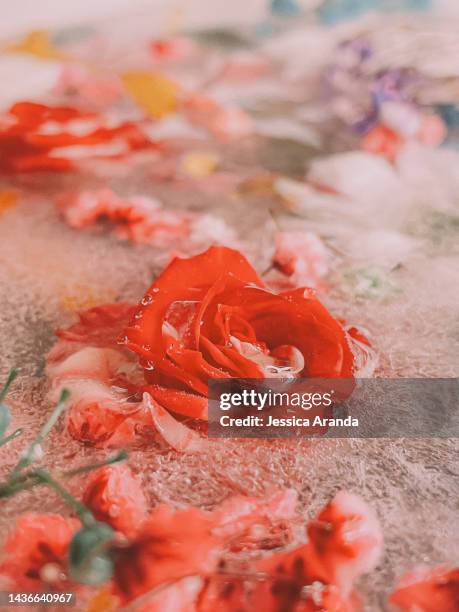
[{"x": 28, "y": 14}]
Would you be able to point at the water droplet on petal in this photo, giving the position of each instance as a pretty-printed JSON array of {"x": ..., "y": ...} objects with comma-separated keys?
[{"x": 146, "y": 300}]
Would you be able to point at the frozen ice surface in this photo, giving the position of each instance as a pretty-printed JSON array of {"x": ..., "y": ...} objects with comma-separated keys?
[
  {"x": 400, "y": 283},
  {"x": 48, "y": 270}
]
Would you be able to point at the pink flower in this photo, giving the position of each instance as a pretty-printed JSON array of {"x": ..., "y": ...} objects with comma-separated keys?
[
  {"x": 302, "y": 256},
  {"x": 77, "y": 81},
  {"x": 137, "y": 218}
]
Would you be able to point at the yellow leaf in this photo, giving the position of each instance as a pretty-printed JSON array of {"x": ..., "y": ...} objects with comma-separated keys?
[
  {"x": 199, "y": 164},
  {"x": 84, "y": 298},
  {"x": 39, "y": 44},
  {"x": 153, "y": 92},
  {"x": 103, "y": 601},
  {"x": 8, "y": 199}
]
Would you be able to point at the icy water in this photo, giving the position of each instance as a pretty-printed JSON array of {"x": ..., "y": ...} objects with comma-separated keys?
[
  {"x": 406, "y": 297},
  {"x": 48, "y": 270}
]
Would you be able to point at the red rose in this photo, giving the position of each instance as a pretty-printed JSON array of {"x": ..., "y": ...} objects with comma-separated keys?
[{"x": 211, "y": 316}]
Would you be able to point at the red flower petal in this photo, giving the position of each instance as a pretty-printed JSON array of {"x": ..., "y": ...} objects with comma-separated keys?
[
  {"x": 26, "y": 146},
  {"x": 185, "y": 279},
  {"x": 182, "y": 280},
  {"x": 345, "y": 541},
  {"x": 177, "y": 435},
  {"x": 170, "y": 546},
  {"x": 36, "y": 541},
  {"x": 428, "y": 591},
  {"x": 115, "y": 497},
  {"x": 180, "y": 402},
  {"x": 381, "y": 140},
  {"x": 100, "y": 419},
  {"x": 99, "y": 326}
]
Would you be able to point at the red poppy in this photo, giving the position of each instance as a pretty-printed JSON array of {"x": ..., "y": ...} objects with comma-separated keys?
[
  {"x": 344, "y": 542},
  {"x": 34, "y": 555},
  {"x": 115, "y": 497},
  {"x": 170, "y": 545},
  {"x": 428, "y": 591},
  {"x": 39, "y": 137}
]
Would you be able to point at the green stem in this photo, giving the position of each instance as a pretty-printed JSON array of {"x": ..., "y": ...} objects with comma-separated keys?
[
  {"x": 11, "y": 376},
  {"x": 24, "y": 482},
  {"x": 85, "y": 515},
  {"x": 119, "y": 456},
  {"x": 28, "y": 456},
  {"x": 56, "y": 413},
  {"x": 15, "y": 434},
  {"x": 8, "y": 489}
]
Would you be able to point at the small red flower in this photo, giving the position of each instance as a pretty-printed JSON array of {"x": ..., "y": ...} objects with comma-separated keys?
[
  {"x": 302, "y": 256},
  {"x": 258, "y": 523},
  {"x": 137, "y": 218},
  {"x": 427, "y": 590},
  {"x": 381, "y": 140},
  {"x": 344, "y": 542},
  {"x": 169, "y": 546},
  {"x": 37, "y": 137},
  {"x": 115, "y": 497},
  {"x": 34, "y": 555}
]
